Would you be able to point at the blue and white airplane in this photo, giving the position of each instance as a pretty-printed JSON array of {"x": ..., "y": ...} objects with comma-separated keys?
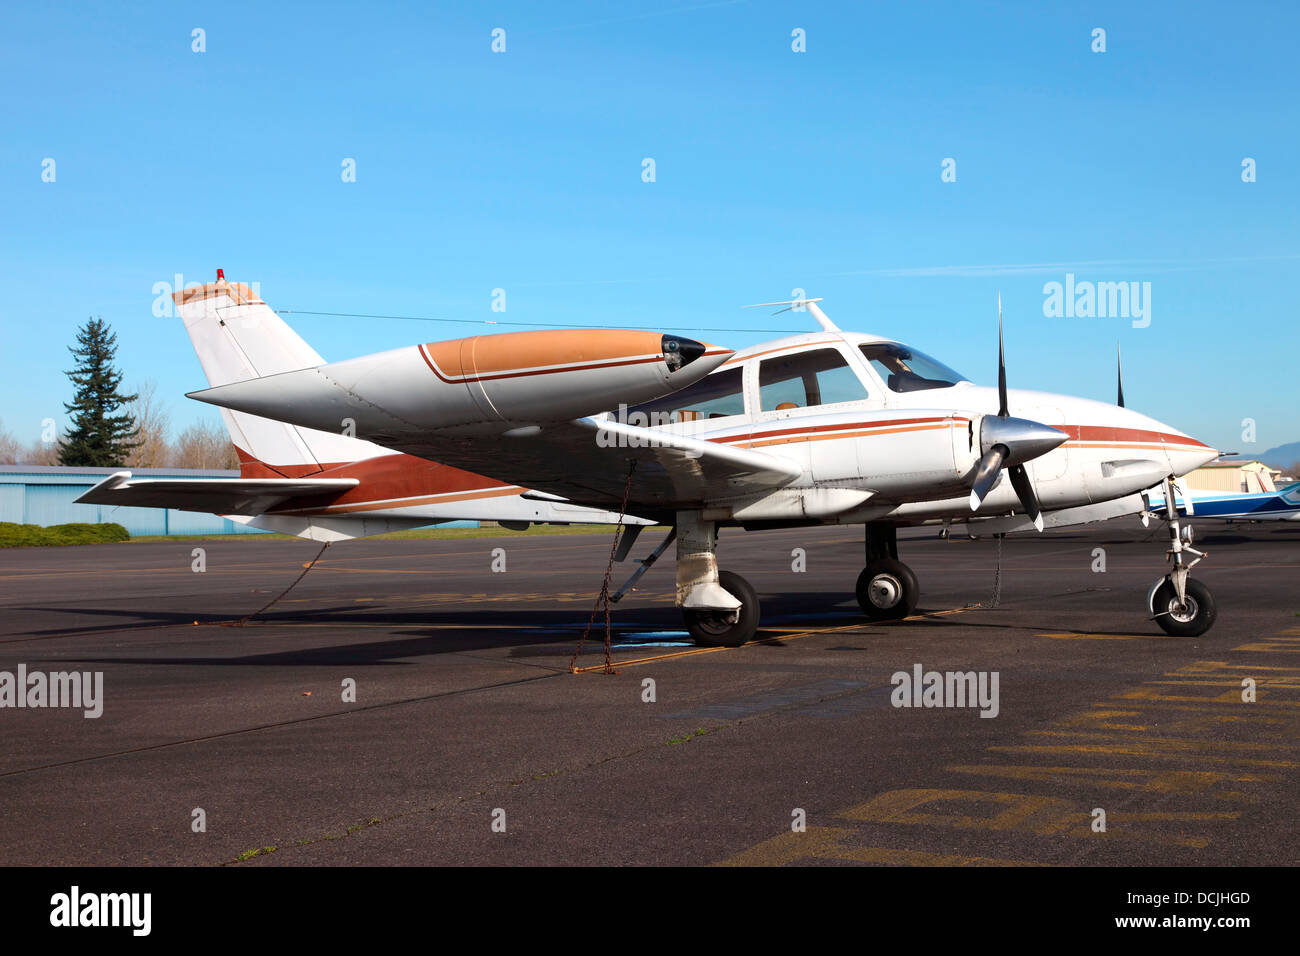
[{"x": 1280, "y": 505}]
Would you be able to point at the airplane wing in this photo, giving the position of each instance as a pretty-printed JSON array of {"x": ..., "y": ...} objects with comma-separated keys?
[
  {"x": 215, "y": 495},
  {"x": 586, "y": 462},
  {"x": 1062, "y": 518}
]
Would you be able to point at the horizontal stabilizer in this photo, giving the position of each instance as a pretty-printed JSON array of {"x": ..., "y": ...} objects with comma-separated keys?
[{"x": 214, "y": 495}]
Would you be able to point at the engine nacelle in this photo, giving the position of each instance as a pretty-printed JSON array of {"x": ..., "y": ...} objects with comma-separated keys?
[{"x": 479, "y": 383}]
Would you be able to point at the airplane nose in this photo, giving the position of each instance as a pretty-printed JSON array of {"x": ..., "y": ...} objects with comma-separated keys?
[
  {"x": 1186, "y": 458},
  {"x": 680, "y": 351},
  {"x": 1183, "y": 452}
]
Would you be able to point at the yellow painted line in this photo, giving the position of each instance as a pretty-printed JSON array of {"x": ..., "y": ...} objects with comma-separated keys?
[
  {"x": 1189, "y": 816},
  {"x": 1126, "y": 778},
  {"x": 1136, "y": 749},
  {"x": 830, "y": 843},
  {"x": 315, "y": 625},
  {"x": 1212, "y": 667},
  {"x": 1230, "y": 698},
  {"x": 691, "y": 652},
  {"x": 1072, "y": 636},
  {"x": 1273, "y": 681},
  {"x": 1174, "y": 743}
]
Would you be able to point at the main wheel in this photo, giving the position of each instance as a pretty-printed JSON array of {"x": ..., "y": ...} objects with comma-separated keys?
[
  {"x": 726, "y": 628},
  {"x": 887, "y": 590},
  {"x": 1193, "y": 617}
]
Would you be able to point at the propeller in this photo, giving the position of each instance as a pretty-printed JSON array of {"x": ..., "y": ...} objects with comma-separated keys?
[{"x": 1007, "y": 442}]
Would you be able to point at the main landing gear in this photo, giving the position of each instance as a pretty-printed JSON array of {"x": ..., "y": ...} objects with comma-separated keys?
[
  {"x": 887, "y": 589},
  {"x": 1181, "y": 606},
  {"x": 718, "y": 627},
  {"x": 720, "y": 608}
]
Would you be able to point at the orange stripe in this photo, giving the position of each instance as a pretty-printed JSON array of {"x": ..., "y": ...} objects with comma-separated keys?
[
  {"x": 782, "y": 348},
  {"x": 867, "y": 434},
  {"x": 844, "y": 425}
]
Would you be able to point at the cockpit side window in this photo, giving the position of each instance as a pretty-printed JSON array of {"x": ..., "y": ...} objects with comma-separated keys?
[
  {"x": 907, "y": 370},
  {"x": 819, "y": 377},
  {"x": 717, "y": 395}
]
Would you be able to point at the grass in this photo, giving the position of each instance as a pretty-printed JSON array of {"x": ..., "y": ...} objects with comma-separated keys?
[
  {"x": 698, "y": 732},
  {"x": 257, "y": 851},
  {"x": 418, "y": 534},
  {"x": 34, "y": 536}
]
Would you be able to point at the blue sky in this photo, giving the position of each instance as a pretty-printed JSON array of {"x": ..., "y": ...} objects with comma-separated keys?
[{"x": 774, "y": 170}]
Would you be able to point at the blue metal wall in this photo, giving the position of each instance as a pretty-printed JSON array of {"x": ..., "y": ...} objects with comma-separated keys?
[
  {"x": 45, "y": 496},
  {"x": 33, "y": 494}
]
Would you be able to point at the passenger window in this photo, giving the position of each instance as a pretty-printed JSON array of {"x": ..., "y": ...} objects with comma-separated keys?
[
  {"x": 819, "y": 377},
  {"x": 715, "y": 396}
]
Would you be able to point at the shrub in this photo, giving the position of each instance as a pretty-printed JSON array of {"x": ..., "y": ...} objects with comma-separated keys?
[{"x": 34, "y": 536}]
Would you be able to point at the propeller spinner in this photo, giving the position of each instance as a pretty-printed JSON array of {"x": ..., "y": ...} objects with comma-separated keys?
[{"x": 1007, "y": 442}]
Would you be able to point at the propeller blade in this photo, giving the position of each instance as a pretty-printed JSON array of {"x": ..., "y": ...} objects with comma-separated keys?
[
  {"x": 1119, "y": 368},
  {"x": 986, "y": 475},
  {"x": 1025, "y": 492},
  {"x": 1002, "y": 367}
]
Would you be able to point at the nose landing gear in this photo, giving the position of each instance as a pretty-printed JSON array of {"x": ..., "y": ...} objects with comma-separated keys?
[
  {"x": 887, "y": 589},
  {"x": 1183, "y": 607}
]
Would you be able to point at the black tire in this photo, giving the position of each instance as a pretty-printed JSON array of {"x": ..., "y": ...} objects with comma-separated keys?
[
  {"x": 712, "y": 629},
  {"x": 1194, "y": 619},
  {"x": 887, "y": 590}
]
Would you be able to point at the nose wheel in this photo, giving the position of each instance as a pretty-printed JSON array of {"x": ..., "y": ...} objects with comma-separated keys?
[
  {"x": 887, "y": 590},
  {"x": 1181, "y": 605},
  {"x": 1190, "y": 616}
]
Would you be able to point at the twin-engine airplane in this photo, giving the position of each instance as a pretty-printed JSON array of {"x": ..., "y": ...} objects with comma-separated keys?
[{"x": 831, "y": 427}]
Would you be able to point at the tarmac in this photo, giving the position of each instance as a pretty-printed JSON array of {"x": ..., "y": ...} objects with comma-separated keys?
[{"x": 416, "y": 702}]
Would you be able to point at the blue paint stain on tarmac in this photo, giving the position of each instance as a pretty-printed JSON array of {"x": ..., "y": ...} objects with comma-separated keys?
[
  {"x": 624, "y": 639},
  {"x": 653, "y": 639}
]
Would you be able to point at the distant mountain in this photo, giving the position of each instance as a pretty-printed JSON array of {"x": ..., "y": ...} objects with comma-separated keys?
[{"x": 1283, "y": 456}]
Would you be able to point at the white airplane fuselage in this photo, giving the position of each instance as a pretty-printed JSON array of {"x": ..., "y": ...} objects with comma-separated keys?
[{"x": 907, "y": 456}]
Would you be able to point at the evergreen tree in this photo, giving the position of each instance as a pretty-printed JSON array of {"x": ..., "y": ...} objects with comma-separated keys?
[{"x": 99, "y": 435}]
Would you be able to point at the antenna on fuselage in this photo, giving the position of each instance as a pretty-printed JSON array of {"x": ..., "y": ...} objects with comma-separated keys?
[
  {"x": 1119, "y": 368},
  {"x": 822, "y": 319}
]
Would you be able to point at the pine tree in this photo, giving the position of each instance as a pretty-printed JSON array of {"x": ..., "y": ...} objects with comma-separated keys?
[{"x": 100, "y": 435}]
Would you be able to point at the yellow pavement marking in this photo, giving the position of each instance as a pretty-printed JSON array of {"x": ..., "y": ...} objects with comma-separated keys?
[
  {"x": 1139, "y": 749},
  {"x": 1073, "y": 636},
  {"x": 691, "y": 652},
  {"x": 829, "y": 843},
  {"x": 1174, "y": 743}
]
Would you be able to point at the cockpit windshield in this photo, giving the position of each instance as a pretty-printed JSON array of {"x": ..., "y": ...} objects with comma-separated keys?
[{"x": 907, "y": 370}]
